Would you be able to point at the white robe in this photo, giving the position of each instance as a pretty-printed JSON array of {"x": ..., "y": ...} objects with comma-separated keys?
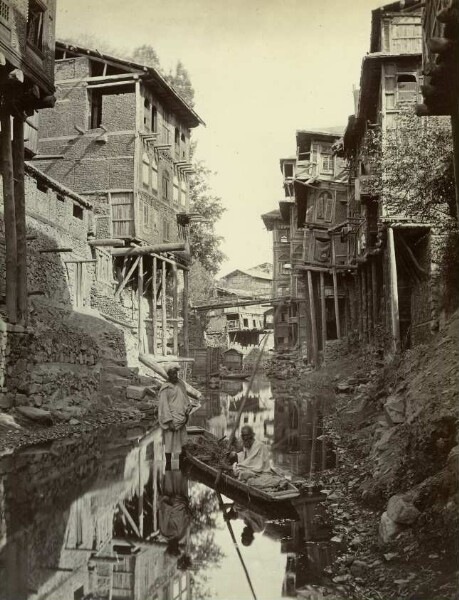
[
  {"x": 173, "y": 411},
  {"x": 254, "y": 459}
]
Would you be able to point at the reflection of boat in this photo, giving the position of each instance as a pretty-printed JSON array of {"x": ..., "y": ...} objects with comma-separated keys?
[{"x": 227, "y": 483}]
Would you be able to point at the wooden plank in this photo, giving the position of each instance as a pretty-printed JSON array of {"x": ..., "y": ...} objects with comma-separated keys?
[
  {"x": 20, "y": 210},
  {"x": 186, "y": 339},
  {"x": 126, "y": 279},
  {"x": 6, "y": 158},
  {"x": 393, "y": 290},
  {"x": 140, "y": 298},
  {"x": 154, "y": 307},
  {"x": 143, "y": 250},
  {"x": 55, "y": 250},
  {"x": 106, "y": 242},
  {"x": 313, "y": 320},
  {"x": 322, "y": 311},
  {"x": 163, "y": 308},
  {"x": 335, "y": 291},
  {"x": 175, "y": 309}
]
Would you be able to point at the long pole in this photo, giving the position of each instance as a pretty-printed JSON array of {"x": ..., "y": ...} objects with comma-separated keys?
[
  {"x": 175, "y": 308},
  {"x": 186, "y": 335},
  {"x": 322, "y": 311},
  {"x": 312, "y": 309},
  {"x": 154, "y": 304},
  {"x": 393, "y": 290},
  {"x": 9, "y": 216},
  {"x": 233, "y": 537},
  {"x": 163, "y": 307},
  {"x": 19, "y": 201},
  {"x": 140, "y": 297}
]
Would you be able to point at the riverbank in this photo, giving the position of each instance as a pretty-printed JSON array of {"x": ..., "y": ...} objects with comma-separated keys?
[{"x": 393, "y": 497}]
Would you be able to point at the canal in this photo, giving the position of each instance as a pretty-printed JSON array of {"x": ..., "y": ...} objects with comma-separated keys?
[{"x": 98, "y": 517}]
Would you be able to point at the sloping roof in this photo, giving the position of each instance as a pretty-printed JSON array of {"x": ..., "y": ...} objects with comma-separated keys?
[
  {"x": 327, "y": 134},
  {"x": 56, "y": 185},
  {"x": 164, "y": 91},
  {"x": 251, "y": 273},
  {"x": 271, "y": 217}
]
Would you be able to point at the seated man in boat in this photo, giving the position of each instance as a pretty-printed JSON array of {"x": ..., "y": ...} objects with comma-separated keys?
[
  {"x": 173, "y": 412},
  {"x": 254, "y": 457}
]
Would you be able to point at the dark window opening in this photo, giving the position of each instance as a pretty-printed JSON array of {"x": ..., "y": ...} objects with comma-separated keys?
[
  {"x": 78, "y": 594},
  {"x": 154, "y": 119},
  {"x": 115, "y": 70},
  {"x": 166, "y": 230},
  {"x": 246, "y": 322},
  {"x": 254, "y": 323},
  {"x": 96, "y": 68},
  {"x": 35, "y": 23},
  {"x": 182, "y": 137},
  {"x": 95, "y": 109},
  {"x": 177, "y": 136},
  {"x": 78, "y": 212},
  {"x": 166, "y": 186},
  {"x": 4, "y": 12},
  {"x": 306, "y": 156},
  {"x": 60, "y": 197},
  {"x": 146, "y": 116},
  {"x": 288, "y": 170}
]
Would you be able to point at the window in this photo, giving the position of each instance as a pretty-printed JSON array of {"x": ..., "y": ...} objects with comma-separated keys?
[
  {"x": 35, "y": 23},
  {"x": 166, "y": 230},
  {"x": 154, "y": 178},
  {"x": 146, "y": 216},
  {"x": 95, "y": 108},
  {"x": 154, "y": 119},
  {"x": 146, "y": 113},
  {"x": 166, "y": 186},
  {"x": 78, "y": 211},
  {"x": 145, "y": 170},
  {"x": 177, "y": 136},
  {"x": 183, "y": 192},
  {"x": 406, "y": 88},
  {"x": 175, "y": 192},
  {"x": 324, "y": 207},
  {"x": 246, "y": 322},
  {"x": 4, "y": 13},
  {"x": 327, "y": 164},
  {"x": 254, "y": 323},
  {"x": 288, "y": 170}
]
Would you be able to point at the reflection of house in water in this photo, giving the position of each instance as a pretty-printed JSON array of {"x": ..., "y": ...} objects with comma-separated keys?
[
  {"x": 59, "y": 507},
  {"x": 308, "y": 549},
  {"x": 297, "y": 425},
  {"x": 258, "y": 409}
]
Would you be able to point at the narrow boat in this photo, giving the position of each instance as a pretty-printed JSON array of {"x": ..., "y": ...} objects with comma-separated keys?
[{"x": 227, "y": 483}]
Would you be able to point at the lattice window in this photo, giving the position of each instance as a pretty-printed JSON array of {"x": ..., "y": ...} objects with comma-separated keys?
[
  {"x": 4, "y": 11},
  {"x": 35, "y": 24}
]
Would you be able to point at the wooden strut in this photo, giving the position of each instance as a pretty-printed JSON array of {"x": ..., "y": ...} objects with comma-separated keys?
[
  {"x": 55, "y": 250},
  {"x": 9, "y": 216},
  {"x": 154, "y": 307},
  {"x": 312, "y": 308},
  {"x": 322, "y": 311},
  {"x": 175, "y": 308},
  {"x": 138, "y": 250},
  {"x": 140, "y": 308},
  {"x": 185, "y": 302},
  {"x": 127, "y": 277},
  {"x": 163, "y": 308},
  {"x": 21, "y": 232},
  {"x": 394, "y": 309},
  {"x": 335, "y": 290}
]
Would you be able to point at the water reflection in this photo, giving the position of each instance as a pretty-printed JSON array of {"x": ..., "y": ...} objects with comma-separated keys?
[{"x": 98, "y": 517}]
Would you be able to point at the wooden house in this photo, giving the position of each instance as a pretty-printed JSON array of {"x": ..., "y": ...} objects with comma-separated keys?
[
  {"x": 27, "y": 30},
  {"x": 125, "y": 143},
  {"x": 391, "y": 284},
  {"x": 233, "y": 359}
]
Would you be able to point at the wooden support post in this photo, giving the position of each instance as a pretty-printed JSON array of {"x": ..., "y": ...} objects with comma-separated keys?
[
  {"x": 313, "y": 319},
  {"x": 140, "y": 495},
  {"x": 369, "y": 301},
  {"x": 154, "y": 303},
  {"x": 163, "y": 308},
  {"x": 374, "y": 291},
  {"x": 322, "y": 311},
  {"x": 175, "y": 308},
  {"x": 393, "y": 287},
  {"x": 21, "y": 233},
  {"x": 363, "y": 290},
  {"x": 335, "y": 289},
  {"x": 186, "y": 335},
  {"x": 6, "y": 158},
  {"x": 141, "y": 323}
]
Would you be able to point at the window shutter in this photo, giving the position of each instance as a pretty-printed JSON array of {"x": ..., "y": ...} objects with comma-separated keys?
[{"x": 329, "y": 209}]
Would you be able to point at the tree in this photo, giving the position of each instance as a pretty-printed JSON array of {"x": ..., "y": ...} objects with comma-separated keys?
[
  {"x": 205, "y": 244},
  {"x": 181, "y": 82},
  {"x": 146, "y": 55}
]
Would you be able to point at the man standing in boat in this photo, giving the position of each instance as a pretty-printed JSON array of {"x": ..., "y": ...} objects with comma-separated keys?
[
  {"x": 174, "y": 409},
  {"x": 254, "y": 457}
]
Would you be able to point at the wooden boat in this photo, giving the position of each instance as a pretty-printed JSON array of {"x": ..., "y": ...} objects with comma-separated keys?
[
  {"x": 234, "y": 376},
  {"x": 228, "y": 484}
]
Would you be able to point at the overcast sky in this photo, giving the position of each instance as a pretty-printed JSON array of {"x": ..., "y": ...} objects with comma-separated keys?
[{"x": 261, "y": 69}]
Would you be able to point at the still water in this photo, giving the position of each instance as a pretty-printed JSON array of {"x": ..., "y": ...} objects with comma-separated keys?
[{"x": 98, "y": 517}]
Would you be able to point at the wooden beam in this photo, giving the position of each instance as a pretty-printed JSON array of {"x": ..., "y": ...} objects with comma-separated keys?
[
  {"x": 313, "y": 319},
  {"x": 363, "y": 292},
  {"x": 163, "y": 307},
  {"x": 335, "y": 290},
  {"x": 106, "y": 242},
  {"x": 322, "y": 311},
  {"x": 140, "y": 297},
  {"x": 145, "y": 250},
  {"x": 127, "y": 277},
  {"x": 175, "y": 308},
  {"x": 21, "y": 233},
  {"x": 55, "y": 250},
  {"x": 6, "y": 159},
  {"x": 129, "y": 518},
  {"x": 312, "y": 268},
  {"x": 393, "y": 293},
  {"x": 186, "y": 339},
  {"x": 154, "y": 307}
]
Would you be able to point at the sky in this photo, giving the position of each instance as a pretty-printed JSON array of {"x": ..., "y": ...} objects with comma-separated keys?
[{"x": 261, "y": 70}]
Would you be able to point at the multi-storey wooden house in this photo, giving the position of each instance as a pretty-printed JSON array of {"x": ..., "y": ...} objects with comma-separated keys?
[
  {"x": 27, "y": 84},
  {"x": 391, "y": 252},
  {"x": 119, "y": 135},
  {"x": 308, "y": 256}
]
